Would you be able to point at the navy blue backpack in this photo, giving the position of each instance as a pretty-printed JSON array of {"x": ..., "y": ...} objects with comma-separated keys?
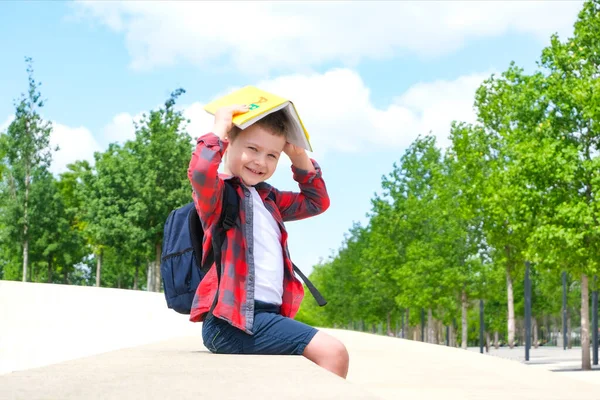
[{"x": 181, "y": 269}]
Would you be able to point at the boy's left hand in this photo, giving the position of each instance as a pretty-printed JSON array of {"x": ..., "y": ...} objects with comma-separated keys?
[
  {"x": 293, "y": 151},
  {"x": 298, "y": 157}
]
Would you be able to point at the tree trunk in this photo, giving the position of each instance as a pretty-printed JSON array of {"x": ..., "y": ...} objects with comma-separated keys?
[
  {"x": 157, "y": 277},
  {"x": 98, "y": 268},
  {"x": 586, "y": 364},
  {"x": 430, "y": 329},
  {"x": 26, "y": 225},
  {"x": 49, "y": 277},
  {"x": 389, "y": 325},
  {"x": 25, "y": 255},
  {"x": 496, "y": 341},
  {"x": 464, "y": 320},
  {"x": 511, "y": 310},
  {"x": 534, "y": 328},
  {"x": 136, "y": 276},
  {"x": 454, "y": 336},
  {"x": 487, "y": 342},
  {"x": 150, "y": 277}
]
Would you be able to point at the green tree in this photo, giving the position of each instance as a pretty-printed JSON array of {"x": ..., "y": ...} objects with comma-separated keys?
[
  {"x": 110, "y": 212},
  {"x": 77, "y": 189},
  {"x": 573, "y": 89},
  {"x": 464, "y": 186},
  {"x": 422, "y": 224},
  {"x": 161, "y": 152},
  {"x": 26, "y": 155},
  {"x": 509, "y": 108}
]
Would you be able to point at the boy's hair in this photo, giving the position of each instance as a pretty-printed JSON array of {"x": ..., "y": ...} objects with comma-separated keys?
[{"x": 276, "y": 123}]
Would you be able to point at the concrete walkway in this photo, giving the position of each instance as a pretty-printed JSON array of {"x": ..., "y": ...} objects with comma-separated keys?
[
  {"x": 178, "y": 369},
  {"x": 381, "y": 368},
  {"x": 68, "y": 342},
  {"x": 402, "y": 369}
]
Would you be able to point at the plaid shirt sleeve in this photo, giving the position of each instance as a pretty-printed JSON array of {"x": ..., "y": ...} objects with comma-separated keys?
[
  {"x": 312, "y": 200},
  {"x": 204, "y": 177}
]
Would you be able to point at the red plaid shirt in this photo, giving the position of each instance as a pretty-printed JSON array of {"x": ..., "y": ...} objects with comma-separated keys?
[{"x": 236, "y": 294}]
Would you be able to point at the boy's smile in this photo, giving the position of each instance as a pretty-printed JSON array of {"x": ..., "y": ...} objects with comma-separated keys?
[{"x": 256, "y": 172}]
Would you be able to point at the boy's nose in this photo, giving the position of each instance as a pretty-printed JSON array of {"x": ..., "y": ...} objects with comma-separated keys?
[{"x": 261, "y": 160}]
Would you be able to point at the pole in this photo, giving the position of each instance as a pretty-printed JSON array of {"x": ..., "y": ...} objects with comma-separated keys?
[
  {"x": 447, "y": 335},
  {"x": 527, "y": 311},
  {"x": 564, "y": 309},
  {"x": 595, "y": 321},
  {"x": 481, "y": 327}
]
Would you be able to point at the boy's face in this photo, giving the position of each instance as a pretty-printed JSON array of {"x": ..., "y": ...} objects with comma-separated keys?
[{"x": 254, "y": 154}]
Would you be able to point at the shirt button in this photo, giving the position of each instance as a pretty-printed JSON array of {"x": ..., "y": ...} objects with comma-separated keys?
[{"x": 247, "y": 194}]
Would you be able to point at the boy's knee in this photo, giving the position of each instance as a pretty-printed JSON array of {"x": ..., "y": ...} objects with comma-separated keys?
[
  {"x": 328, "y": 352},
  {"x": 326, "y": 348},
  {"x": 337, "y": 351}
]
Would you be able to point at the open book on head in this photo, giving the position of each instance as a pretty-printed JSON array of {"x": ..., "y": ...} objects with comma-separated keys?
[{"x": 260, "y": 105}]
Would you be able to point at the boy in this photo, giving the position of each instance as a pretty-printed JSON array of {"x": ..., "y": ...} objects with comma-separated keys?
[{"x": 258, "y": 294}]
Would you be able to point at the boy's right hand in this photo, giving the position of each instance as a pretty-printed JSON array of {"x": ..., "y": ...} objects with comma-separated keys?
[{"x": 224, "y": 119}]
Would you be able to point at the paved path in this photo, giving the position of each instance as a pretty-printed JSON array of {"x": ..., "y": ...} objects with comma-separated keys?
[
  {"x": 564, "y": 362},
  {"x": 381, "y": 368},
  {"x": 178, "y": 369},
  {"x": 68, "y": 342}
]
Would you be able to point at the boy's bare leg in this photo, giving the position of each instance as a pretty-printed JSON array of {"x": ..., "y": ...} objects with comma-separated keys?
[{"x": 329, "y": 353}]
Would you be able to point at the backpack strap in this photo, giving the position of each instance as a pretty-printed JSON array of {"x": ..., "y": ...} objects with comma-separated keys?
[{"x": 313, "y": 290}]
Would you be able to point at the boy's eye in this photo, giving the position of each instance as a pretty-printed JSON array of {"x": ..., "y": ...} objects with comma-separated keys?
[
  {"x": 273, "y": 156},
  {"x": 252, "y": 148}
]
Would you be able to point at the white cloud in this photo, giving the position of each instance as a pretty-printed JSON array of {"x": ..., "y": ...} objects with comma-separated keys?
[
  {"x": 120, "y": 129},
  {"x": 339, "y": 114},
  {"x": 200, "y": 123},
  {"x": 5, "y": 124},
  {"x": 335, "y": 106},
  {"x": 74, "y": 144},
  {"x": 259, "y": 36},
  {"x": 432, "y": 106}
]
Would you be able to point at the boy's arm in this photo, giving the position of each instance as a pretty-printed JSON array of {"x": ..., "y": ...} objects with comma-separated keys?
[
  {"x": 313, "y": 198},
  {"x": 204, "y": 177},
  {"x": 204, "y": 165}
]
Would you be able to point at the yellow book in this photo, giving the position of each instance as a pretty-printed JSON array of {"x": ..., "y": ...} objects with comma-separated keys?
[{"x": 261, "y": 104}]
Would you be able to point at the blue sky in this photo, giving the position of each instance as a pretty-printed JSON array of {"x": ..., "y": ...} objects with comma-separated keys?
[{"x": 367, "y": 77}]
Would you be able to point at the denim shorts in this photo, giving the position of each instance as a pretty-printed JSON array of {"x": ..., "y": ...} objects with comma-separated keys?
[{"x": 274, "y": 334}]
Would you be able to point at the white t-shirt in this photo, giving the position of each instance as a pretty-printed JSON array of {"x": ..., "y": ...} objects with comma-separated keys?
[{"x": 267, "y": 252}]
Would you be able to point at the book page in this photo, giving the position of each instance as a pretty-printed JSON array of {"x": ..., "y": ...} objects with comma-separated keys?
[{"x": 296, "y": 136}]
